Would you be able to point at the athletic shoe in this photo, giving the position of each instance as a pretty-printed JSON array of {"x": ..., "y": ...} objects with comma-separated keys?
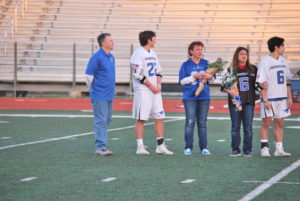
[
  {"x": 281, "y": 153},
  {"x": 162, "y": 149},
  {"x": 235, "y": 153},
  {"x": 247, "y": 154},
  {"x": 103, "y": 152},
  {"x": 264, "y": 152},
  {"x": 142, "y": 151},
  {"x": 187, "y": 151},
  {"x": 205, "y": 152}
]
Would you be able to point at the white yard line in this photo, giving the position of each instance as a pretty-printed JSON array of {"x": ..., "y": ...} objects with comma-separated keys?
[
  {"x": 75, "y": 135},
  {"x": 121, "y": 116},
  {"x": 109, "y": 179},
  {"x": 71, "y": 116},
  {"x": 4, "y": 122},
  {"x": 267, "y": 184},
  {"x": 28, "y": 179},
  {"x": 187, "y": 181},
  {"x": 293, "y": 127},
  {"x": 43, "y": 141},
  {"x": 282, "y": 182},
  {"x": 5, "y": 138}
]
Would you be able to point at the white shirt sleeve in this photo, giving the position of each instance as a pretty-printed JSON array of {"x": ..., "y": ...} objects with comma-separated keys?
[
  {"x": 158, "y": 66},
  {"x": 288, "y": 72},
  {"x": 89, "y": 80},
  {"x": 187, "y": 80},
  {"x": 137, "y": 66},
  {"x": 262, "y": 74}
]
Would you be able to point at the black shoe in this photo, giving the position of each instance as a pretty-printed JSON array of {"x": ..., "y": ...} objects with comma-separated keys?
[
  {"x": 247, "y": 154},
  {"x": 235, "y": 153}
]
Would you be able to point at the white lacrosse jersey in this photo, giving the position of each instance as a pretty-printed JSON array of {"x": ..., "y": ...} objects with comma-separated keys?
[
  {"x": 144, "y": 63},
  {"x": 276, "y": 73}
]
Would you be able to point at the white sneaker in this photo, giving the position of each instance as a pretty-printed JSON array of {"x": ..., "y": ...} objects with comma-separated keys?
[
  {"x": 162, "y": 149},
  {"x": 205, "y": 152},
  {"x": 264, "y": 152},
  {"x": 281, "y": 153},
  {"x": 187, "y": 151},
  {"x": 103, "y": 152},
  {"x": 142, "y": 151}
]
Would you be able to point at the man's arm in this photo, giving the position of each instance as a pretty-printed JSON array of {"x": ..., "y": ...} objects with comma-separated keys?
[
  {"x": 267, "y": 103},
  {"x": 289, "y": 93},
  {"x": 262, "y": 79},
  {"x": 158, "y": 78},
  {"x": 89, "y": 80},
  {"x": 288, "y": 83},
  {"x": 138, "y": 74},
  {"x": 90, "y": 71}
]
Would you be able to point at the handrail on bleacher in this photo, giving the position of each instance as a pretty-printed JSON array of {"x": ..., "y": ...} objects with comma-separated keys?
[{"x": 11, "y": 26}]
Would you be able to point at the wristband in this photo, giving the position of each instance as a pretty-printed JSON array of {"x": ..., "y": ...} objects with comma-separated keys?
[
  {"x": 143, "y": 80},
  {"x": 258, "y": 87},
  {"x": 159, "y": 75}
]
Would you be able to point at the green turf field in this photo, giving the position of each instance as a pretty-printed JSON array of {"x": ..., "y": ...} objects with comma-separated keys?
[{"x": 32, "y": 146}]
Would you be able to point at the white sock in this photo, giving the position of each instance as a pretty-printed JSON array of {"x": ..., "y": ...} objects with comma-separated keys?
[
  {"x": 140, "y": 142},
  {"x": 278, "y": 145},
  {"x": 264, "y": 141}
]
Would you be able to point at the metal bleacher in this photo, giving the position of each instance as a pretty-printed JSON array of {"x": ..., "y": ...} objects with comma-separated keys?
[{"x": 49, "y": 28}]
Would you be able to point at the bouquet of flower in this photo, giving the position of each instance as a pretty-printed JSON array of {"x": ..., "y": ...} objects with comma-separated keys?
[
  {"x": 229, "y": 81},
  {"x": 212, "y": 69}
]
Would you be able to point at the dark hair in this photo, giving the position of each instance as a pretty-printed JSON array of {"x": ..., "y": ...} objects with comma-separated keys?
[
  {"x": 193, "y": 44},
  {"x": 101, "y": 38},
  {"x": 144, "y": 36},
  {"x": 274, "y": 41},
  {"x": 235, "y": 60}
]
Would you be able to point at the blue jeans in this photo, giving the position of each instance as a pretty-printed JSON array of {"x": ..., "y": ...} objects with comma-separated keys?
[
  {"x": 102, "y": 117},
  {"x": 245, "y": 116},
  {"x": 196, "y": 109}
]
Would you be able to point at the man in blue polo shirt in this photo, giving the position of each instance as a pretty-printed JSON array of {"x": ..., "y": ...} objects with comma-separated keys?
[{"x": 100, "y": 78}]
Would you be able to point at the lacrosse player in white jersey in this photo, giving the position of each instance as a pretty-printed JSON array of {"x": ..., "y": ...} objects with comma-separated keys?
[
  {"x": 147, "y": 100},
  {"x": 276, "y": 99}
]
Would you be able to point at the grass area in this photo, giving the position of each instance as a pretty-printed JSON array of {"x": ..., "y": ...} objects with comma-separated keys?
[{"x": 68, "y": 170}]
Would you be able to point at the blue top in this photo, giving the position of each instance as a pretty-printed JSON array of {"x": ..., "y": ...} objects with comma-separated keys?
[
  {"x": 102, "y": 66},
  {"x": 187, "y": 69}
]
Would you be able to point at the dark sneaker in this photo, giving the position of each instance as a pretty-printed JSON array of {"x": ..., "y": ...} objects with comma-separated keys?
[
  {"x": 247, "y": 154},
  {"x": 103, "y": 152},
  {"x": 235, "y": 153}
]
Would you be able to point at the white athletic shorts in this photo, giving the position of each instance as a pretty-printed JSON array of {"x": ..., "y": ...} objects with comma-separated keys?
[
  {"x": 279, "y": 109},
  {"x": 147, "y": 105}
]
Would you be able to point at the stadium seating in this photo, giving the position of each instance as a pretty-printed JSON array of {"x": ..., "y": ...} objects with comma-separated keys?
[{"x": 46, "y": 34}]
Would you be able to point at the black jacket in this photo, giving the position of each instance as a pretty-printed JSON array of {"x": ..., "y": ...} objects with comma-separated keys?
[{"x": 246, "y": 86}]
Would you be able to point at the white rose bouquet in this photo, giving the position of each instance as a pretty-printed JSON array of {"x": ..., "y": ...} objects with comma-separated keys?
[
  {"x": 212, "y": 69},
  {"x": 229, "y": 81}
]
